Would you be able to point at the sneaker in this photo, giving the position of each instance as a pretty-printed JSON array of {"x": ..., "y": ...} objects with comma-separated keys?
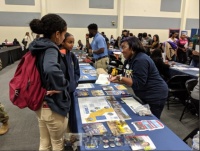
[{"x": 4, "y": 128}]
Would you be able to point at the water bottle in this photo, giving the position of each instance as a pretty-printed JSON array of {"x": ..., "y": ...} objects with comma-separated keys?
[{"x": 195, "y": 140}]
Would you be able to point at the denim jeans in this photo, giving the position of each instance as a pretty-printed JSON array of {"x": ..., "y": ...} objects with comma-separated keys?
[
  {"x": 194, "y": 63},
  {"x": 157, "y": 108}
]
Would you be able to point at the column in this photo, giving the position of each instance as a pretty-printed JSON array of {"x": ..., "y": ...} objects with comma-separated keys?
[
  {"x": 184, "y": 11},
  {"x": 120, "y": 13},
  {"x": 43, "y": 7}
]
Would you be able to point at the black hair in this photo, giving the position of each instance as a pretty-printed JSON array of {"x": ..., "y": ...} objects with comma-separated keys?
[
  {"x": 124, "y": 30},
  {"x": 149, "y": 35},
  {"x": 134, "y": 44},
  {"x": 48, "y": 25},
  {"x": 67, "y": 35},
  {"x": 157, "y": 37},
  {"x": 156, "y": 54},
  {"x": 144, "y": 35},
  {"x": 93, "y": 26}
]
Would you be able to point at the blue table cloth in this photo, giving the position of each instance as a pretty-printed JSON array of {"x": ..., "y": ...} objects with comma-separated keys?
[
  {"x": 164, "y": 139},
  {"x": 184, "y": 69}
]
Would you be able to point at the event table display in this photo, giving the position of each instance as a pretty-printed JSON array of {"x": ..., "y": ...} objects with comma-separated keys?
[
  {"x": 111, "y": 121},
  {"x": 9, "y": 55},
  {"x": 179, "y": 69},
  {"x": 87, "y": 73}
]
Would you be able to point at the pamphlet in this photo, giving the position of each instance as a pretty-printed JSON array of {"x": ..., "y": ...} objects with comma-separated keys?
[
  {"x": 85, "y": 86},
  {"x": 94, "y": 128},
  {"x": 140, "y": 142},
  {"x": 120, "y": 87},
  {"x": 119, "y": 127},
  {"x": 145, "y": 125},
  {"x": 97, "y": 92}
]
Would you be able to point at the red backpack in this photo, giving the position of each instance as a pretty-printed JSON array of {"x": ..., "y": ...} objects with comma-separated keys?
[{"x": 25, "y": 87}]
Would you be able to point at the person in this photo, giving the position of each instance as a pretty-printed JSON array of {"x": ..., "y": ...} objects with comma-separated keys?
[
  {"x": 74, "y": 73},
  {"x": 147, "y": 42},
  {"x": 117, "y": 43},
  {"x": 173, "y": 37},
  {"x": 182, "y": 44},
  {"x": 53, "y": 114},
  {"x": 80, "y": 45},
  {"x": 125, "y": 34},
  {"x": 26, "y": 39},
  {"x": 140, "y": 36},
  {"x": 4, "y": 120},
  {"x": 195, "y": 53},
  {"x": 98, "y": 47},
  {"x": 5, "y": 42},
  {"x": 162, "y": 67},
  {"x": 112, "y": 40},
  {"x": 155, "y": 43},
  {"x": 16, "y": 42},
  {"x": 195, "y": 91},
  {"x": 142, "y": 75}
]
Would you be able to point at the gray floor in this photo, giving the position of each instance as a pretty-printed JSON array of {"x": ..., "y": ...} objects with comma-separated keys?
[{"x": 24, "y": 135}]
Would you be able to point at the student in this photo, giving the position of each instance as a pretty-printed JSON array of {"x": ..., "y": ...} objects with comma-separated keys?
[
  {"x": 4, "y": 120},
  {"x": 53, "y": 114},
  {"x": 142, "y": 75},
  {"x": 74, "y": 73}
]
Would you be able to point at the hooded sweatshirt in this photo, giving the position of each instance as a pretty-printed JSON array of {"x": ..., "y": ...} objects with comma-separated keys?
[{"x": 54, "y": 73}]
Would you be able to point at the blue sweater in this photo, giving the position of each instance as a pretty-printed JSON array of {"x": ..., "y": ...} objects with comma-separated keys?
[
  {"x": 73, "y": 71},
  {"x": 147, "y": 83}
]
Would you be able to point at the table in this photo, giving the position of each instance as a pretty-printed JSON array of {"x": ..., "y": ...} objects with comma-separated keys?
[
  {"x": 180, "y": 69},
  {"x": 164, "y": 139},
  {"x": 86, "y": 66},
  {"x": 80, "y": 54},
  {"x": 10, "y": 54}
]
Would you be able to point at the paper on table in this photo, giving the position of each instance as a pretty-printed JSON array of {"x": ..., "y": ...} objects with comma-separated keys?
[
  {"x": 131, "y": 102},
  {"x": 85, "y": 85},
  {"x": 179, "y": 68},
  {"x": 103, "y": 79},
  {"x": 84, "y": 64}
]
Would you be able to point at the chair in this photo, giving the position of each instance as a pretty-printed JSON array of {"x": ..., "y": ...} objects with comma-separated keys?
[
  {"x": 177, "y": 89},
  {"x": 190, "y": 103}
]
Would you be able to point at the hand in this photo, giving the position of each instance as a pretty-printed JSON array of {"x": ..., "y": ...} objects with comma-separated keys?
[
  {"x": 90, "y": 51},
  {"x": 114, "y": 79},
  {"x": 173, "y": 63},
  {"x": 87, "y": 36},
  {"x": 196, "y": 53},
  {"x": 51, "y": 92}
]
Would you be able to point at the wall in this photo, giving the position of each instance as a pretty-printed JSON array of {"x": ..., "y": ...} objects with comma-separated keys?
[{"x": 151, "y": 16}]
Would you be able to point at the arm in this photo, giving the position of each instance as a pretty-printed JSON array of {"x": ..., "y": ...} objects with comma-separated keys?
[
  {"x": 52, "y": 71},
  {"x": 76, "y": 68},
  {"x": 121, "y": 80},
  {"x": 139, "y": 76},
  {"x": 100, "y": 45}
]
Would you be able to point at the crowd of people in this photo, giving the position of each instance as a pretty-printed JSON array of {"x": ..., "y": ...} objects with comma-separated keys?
[{"x": 60, "y": 66}]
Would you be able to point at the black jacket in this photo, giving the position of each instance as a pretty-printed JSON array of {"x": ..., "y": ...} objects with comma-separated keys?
[{"x": 54, "y": 74}]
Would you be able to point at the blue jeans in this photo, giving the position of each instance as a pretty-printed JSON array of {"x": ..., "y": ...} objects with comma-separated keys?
[
  {"x": 194, "y": 63},
  {"x": 157, "y": 108}
]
